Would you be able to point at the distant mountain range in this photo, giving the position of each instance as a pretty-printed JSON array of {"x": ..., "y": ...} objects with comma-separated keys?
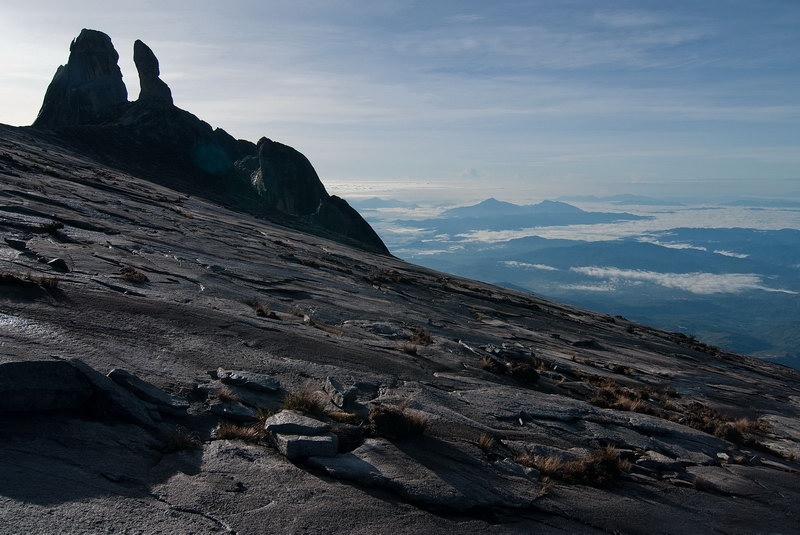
[
  {"x": 736, "y": 287},
  {"x": 495, "y": 215}
]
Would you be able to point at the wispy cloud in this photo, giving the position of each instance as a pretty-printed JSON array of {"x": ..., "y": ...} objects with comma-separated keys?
[
  {"x": 525, "y": 265},
  {"x": 697, "y": 283}
]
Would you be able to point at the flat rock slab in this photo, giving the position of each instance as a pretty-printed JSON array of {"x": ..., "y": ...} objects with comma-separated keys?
[
  {"x": 233, "y": 410},
  {"x": 253, "y": 381},
  {"x": 289, "y": 422},
  {"x": 300, "y": 446},
  {"x": 41, "y": 386},
  {"x": 148, "y": 392},
  {"x": 430, "y": 472}
]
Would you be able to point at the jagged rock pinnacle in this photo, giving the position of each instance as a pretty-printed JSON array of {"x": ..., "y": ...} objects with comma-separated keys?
[
  {"x": 87, "y": 86},
  {"x": 153, "y": 88}
]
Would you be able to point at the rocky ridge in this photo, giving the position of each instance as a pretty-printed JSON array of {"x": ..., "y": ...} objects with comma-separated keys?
[
  {"x": 86, "y": 105},
  {"x": 155, "y": 341}
]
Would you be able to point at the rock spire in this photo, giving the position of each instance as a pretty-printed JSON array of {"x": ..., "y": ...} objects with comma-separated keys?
[
  {"x": 153, "y": 88},
  {"x": 87, "y": 87}
]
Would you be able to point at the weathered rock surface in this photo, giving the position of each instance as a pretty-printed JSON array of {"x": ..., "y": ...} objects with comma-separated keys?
[
  {"x": 234, "y": 410},
  {"x": 432, "y": 473},
  {"x": 85, "y": 89},
  {"x": 252, "y": 381}
]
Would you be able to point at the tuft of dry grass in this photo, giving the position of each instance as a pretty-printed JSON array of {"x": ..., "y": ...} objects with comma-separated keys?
[
  {"x": 421, "y": 336},
  {"x": 395, "y": 421},
  {"x": 486, "y": 442},
  {"x": 131, "y": 274},
  {"x": 305, "y": 400},
  {"x": 408, "y": 349},
  {"x": 49, "y": 283},
  {"x": 225, "y": 394},
  {"x": 701, "y": 483},
  {"x": 345, "y": 417},
  {"x": 180, "y": 439},
  {"x": 599, "y": 469},
  {"x": 229, "y": 431},
  {"x": 52, "y": 227},
  {"x": 29, "y": 281},
  {"x": 490, "y": 365}
]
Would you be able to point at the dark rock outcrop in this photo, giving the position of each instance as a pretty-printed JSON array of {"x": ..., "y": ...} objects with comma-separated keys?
[
  {"x": 152, "y": 87},
  {"x": 85, "y": 89},
  {"x": 287, "y": 180},
  {"x": 87, "y": 102}
]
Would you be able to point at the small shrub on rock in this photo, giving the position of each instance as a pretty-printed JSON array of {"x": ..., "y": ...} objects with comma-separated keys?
[
  {"x": 132, "y": 274},
  {"x": 599, "y": 469},
  {"x": 421, "y": 337},
  {"x": 180, "y": 439},
  {"x": 306, "y": 401},
  {"x": 229, "y": 431},
  {"x": 394, "y": 421}
]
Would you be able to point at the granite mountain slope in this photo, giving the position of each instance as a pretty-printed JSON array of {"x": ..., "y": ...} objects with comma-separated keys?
[{"x": 540, "y": 417}]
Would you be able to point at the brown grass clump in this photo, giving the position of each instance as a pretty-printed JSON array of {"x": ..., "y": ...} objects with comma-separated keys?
[
  {"x": 421, "y": 336},
  {"x": 131, "y": 274},
  {"x": 394, "y": 421},
  {"x": 485, "y": 442},
  {"x": 490, "y": 365},
  {"x": 225, "y": 394},
  {"x": 305, "y": 401},
  {"x": 523, "y": 372},
  {"x": 52, "y": 227},
  {"x": 180, "y": 439},
  {"x": 345, "y": 417},
  {"x": 49, "y": 283},
  {"x": 408, "y": 349},
  {"x": 599, "y": 469},
  {"x": 228, "y": 431}
]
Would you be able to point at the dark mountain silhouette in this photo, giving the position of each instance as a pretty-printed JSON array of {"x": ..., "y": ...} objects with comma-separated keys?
[{"x": 86, "y": 106}]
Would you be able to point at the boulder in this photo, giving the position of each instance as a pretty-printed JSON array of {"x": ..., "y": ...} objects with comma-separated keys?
[
  {"x": 253, "y": 381},
  {"x": 289, "y": 422},
  {"x": 42, "y": 386},
  {"x": 59, "y": 264},
  {"x": 148, "y": 392},
  {"x": 113, "y": 400},
  {"x": 340, "y": 395},
  {"x": 300, "y": 446},
  {"x": 233, "y": 410},
  {"x": 88, "y": 86}
]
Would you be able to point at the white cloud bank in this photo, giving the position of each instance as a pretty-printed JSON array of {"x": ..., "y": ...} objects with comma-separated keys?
[{"x": 697, "y": 283}]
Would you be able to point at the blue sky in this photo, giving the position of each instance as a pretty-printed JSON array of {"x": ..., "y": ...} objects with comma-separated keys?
[{"x": 522, "y": 100}]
